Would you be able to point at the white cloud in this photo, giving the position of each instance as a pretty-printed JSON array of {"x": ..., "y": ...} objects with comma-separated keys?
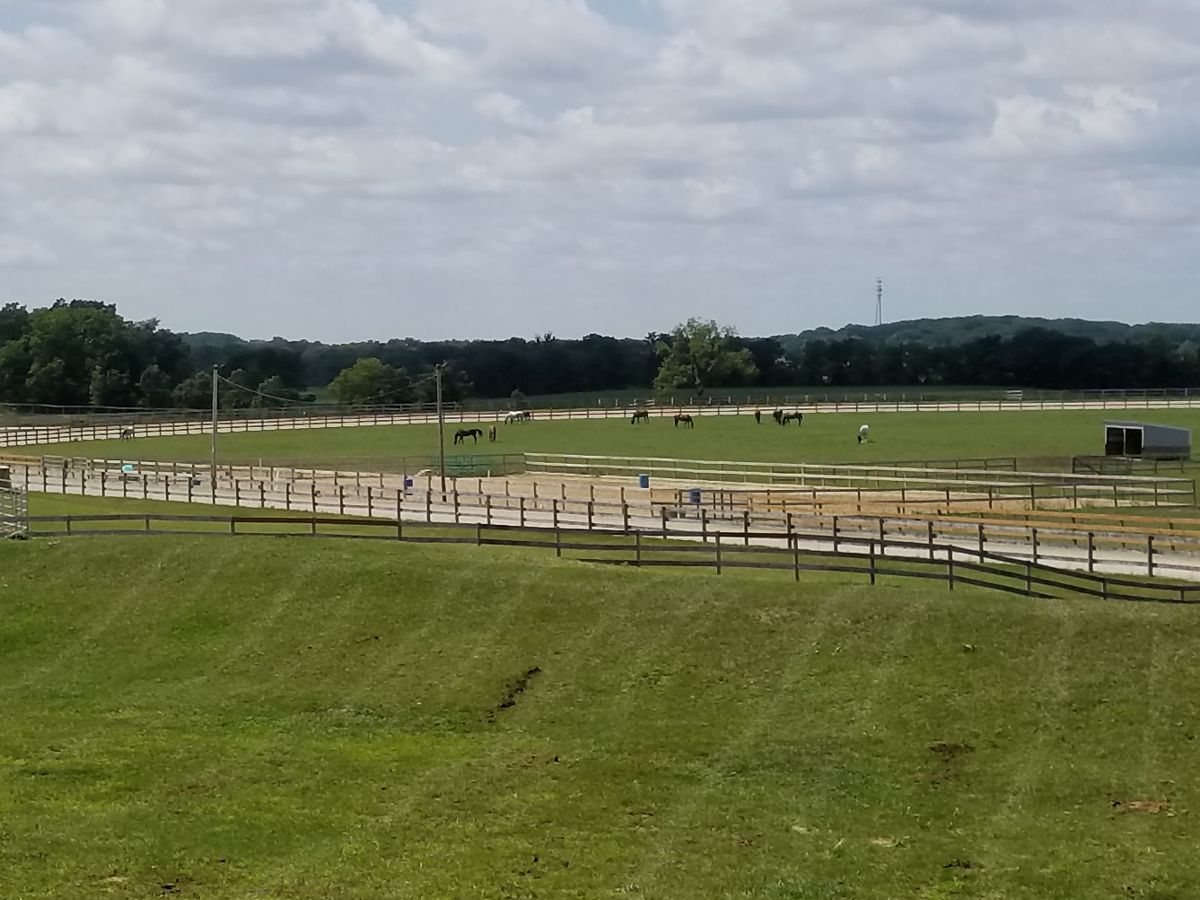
[{"x": 337, "y": 165}]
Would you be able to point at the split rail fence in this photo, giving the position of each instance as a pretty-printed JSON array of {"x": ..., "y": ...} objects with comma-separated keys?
[
  {"x": 723, "y": 551},
  {"x": 25, "y": 434}
]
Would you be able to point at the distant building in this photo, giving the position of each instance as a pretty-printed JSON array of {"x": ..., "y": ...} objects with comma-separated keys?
[{"x": 1146, "y": 440}]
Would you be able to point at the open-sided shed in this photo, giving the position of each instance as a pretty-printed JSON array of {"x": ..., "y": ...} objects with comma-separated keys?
[{"x": 1146, "y": 440}]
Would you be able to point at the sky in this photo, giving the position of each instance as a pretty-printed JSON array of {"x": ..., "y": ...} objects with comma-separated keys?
[{"x": 366, "y": 169}]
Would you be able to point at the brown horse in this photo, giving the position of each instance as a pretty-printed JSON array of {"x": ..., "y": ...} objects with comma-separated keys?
[
  {"x": 797, "y": 417},
  {"x": 460, "y": 436},
  {"x": 685, "y": 420},
  {"x": 640, "y": 415}
]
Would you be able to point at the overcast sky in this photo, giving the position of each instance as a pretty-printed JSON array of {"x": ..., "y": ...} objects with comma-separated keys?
[{"x": 340, "y": 169}]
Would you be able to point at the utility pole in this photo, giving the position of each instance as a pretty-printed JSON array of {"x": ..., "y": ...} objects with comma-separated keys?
[
  {"x": 441, "y": 427},
  {"x": 213, "y": 470}
]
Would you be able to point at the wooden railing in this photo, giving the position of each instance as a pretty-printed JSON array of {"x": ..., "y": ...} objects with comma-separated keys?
[{"x": 722, "y": 551}]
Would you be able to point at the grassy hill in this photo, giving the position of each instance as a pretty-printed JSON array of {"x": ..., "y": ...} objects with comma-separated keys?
[{"x": 229, "y": 718}]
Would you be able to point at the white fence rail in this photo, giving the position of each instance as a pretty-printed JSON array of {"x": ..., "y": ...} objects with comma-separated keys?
[{"x": 26, "y": 435}]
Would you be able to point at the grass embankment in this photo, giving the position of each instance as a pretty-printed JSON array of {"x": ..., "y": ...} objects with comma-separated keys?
[
  {"x": 823, "y": 438},
  {"x": 232, "y": 718}
]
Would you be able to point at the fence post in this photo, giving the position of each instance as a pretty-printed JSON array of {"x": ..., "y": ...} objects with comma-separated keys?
[
  {"x": 478, "y": 535},
  {"x": 262, "y": 495},
  {"x": 663, "y": 511},
  {"x": 590, "y": 513},
  {"x": 1034, "y": 539},
  {"x": 717, "y": 545},
  {"x": 428, "y": 502},
  {"x": 1091, "y": 547},
  {"x": 487, "y": 509},
  {"x": 980, "y": 542},
  {"x": 746, "y": 526},
  {"x": 795, "y": 557},
  {"x": 704, "y": 525},
  {"x": 1150, "y": 555},
  {"x": 341, "y": 499},
  {"x": 835, "y": 534},
  {"x": 950, "y": 565},
  {"x": 882, "y": 538},
  {"x": 557, "y": 540},
  {"x": 872, "y": 552},
  {"x": 930, "y": 533},
  {"x": 1028, "y": 579},
  {"x": 456, "y": 503},
  {"x": 624, "y": 512},
  {"x": 370, "y": 503},
  {"x": 637, "y": 548},
  {"x": 521, "y": 511}
]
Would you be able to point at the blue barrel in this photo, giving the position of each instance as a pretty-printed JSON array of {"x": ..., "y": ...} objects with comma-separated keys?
[
  {"x": 643, "y": 481},
  {"x": 694, "y": 496}
]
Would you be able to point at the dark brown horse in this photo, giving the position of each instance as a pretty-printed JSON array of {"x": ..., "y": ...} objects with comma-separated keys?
[
  {"x": 685, "y": 420},
  {"x": 460, "y": 436},
  {"x": 797, "y": 417},
  {"x": 640, "y": 415}
]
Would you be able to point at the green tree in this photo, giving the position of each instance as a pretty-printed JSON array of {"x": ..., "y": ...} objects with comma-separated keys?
[
  {"x": 371, "y": 381},
  {"x": 697, "y": 355},
  {"x": 194, "y": 392},
  {"x": 273, "y": 392},
  {"x": 154, "y": 387}
]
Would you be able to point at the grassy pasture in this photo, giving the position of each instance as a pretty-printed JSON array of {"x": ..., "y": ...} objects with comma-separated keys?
[
  {"x": 827, "y": 437},
  {"x": 278, "y": 719}
]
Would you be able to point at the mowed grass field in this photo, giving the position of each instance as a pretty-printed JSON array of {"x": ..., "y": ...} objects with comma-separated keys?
[
  {"x": 227, "y": 718},
  {"x": 826, "y": 437}
]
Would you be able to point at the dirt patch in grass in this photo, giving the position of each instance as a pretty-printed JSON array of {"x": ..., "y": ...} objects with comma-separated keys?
[
  {"x": 949, "y": 751},
  {"x": 514, "y": 692},
  {"x": 1153, "y": 807}
]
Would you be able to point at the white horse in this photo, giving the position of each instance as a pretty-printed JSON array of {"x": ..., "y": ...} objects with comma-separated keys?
[{"x": 863, "y": 433}]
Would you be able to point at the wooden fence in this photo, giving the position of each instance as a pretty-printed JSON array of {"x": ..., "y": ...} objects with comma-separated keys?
[
  {"x": 25, "y": 434},
  {"x": 721, "y": 552}
]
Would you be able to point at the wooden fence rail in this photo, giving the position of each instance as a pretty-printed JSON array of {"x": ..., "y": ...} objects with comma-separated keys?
[{"x": 614, "y": 546}]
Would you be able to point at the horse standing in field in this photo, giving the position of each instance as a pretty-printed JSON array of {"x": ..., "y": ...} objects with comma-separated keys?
[
  {"x": 523, "y": 416},
  {"x": 685, "y": 420},
  {"x": 863, "y": 433},
  {"x": 492, "y": 434},
  {"x": 640, "y": 415},
  {"x": 778, "y": 416},
  {"x": 758, "y": 416},
  {"x": 127, "y": 434},
  {"x": 460, "y": 436},
  {"x": 797, "y": 417}
]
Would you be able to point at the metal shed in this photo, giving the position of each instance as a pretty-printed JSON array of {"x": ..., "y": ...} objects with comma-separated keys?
[{"x": 1146, "y": 440}]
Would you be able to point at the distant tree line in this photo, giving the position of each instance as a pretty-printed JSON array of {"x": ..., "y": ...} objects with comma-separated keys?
[{"x": 83, "y": 353}]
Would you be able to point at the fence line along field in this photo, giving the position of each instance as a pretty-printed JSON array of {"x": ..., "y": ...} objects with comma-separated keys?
[{"x": 828, "y": 438}]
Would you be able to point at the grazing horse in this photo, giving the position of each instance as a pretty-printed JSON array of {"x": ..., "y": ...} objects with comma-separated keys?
[
  {"x": 797, "y": 417},
  {"x": 685, "y": 420},
  {"x": 640, "y": 415},
  {"x": 492, "y": 434},
  {"x": 758, "y": 416},
  {"x": 863, "y": 433},
  {"x": 460, "y": 436},
  {"x": 522, "y": 416},
  {"x": 127, "y": 434},
  {"x": 778, "y": 416}
]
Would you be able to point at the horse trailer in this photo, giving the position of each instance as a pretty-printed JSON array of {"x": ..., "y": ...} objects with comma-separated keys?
[{"x": 1144, "y": 440}]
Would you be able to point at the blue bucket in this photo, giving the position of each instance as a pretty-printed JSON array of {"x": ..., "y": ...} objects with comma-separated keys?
[
  {"x": 643, "y": 481},
  {"x": 694, "y": 496},
  {"x": 408, "y": 482}
]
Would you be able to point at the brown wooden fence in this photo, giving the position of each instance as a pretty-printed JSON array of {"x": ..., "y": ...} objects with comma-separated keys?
[{"x": 946, "y": 564}]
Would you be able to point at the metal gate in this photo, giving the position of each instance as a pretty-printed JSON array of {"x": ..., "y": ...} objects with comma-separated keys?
[{"x": 14, "y": 513}]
